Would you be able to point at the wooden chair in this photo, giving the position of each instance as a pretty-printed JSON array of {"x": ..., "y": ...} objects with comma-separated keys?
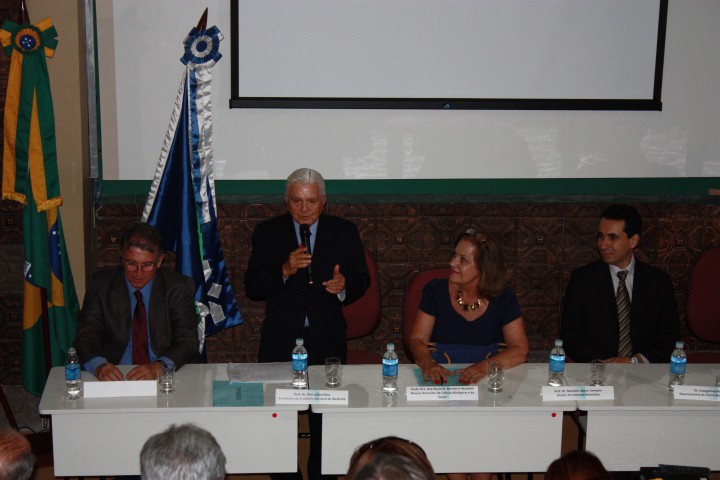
[
  {"x": 702, "y": 310},
  {"x": 411, "y": 303}
]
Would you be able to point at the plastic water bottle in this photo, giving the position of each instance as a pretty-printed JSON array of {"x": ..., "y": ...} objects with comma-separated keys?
[
  {"x": 678, "y": 359},
  {"x": 390, "y": 370},
  {"x": 556, "y": 371},
  {"x": 73, "y": 382},
  {"x": 299, "y": 365}
]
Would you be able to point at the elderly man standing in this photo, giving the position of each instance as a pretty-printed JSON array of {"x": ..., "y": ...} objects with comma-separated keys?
[
  {"x": 138, "y": 313},
  {"x": 619, "y": 309},
  {"x": 304, "y": 292}
]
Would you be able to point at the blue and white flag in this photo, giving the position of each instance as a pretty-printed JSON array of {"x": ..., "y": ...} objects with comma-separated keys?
[{"x": 181, "y": 202}]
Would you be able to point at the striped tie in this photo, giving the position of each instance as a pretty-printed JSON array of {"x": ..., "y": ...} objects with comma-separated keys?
[{"x": 623, "y": 305}]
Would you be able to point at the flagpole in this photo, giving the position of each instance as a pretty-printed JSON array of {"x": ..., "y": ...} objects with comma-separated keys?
[
  {"x": 24, "y": 16},
  {"x": 25, "y": 20}
]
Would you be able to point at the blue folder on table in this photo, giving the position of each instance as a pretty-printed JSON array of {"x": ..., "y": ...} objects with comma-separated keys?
[
  {"x": 226, "y": 394},
  {"x": 452, "y": 381}
]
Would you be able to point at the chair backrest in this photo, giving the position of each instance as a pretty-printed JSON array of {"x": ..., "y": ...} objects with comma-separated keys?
[
  {"x": 703, "y": 297},
  {"x": 411, "y": 303},
  {"x": 364, "y": 314}
]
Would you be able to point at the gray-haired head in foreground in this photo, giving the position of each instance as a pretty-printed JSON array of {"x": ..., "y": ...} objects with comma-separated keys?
[
  {"x": 16, "y": 459},
  {"x": 184, "y": 452},
  {"x": 390, "y": 466},
  {"x": 305, "y": 176}
]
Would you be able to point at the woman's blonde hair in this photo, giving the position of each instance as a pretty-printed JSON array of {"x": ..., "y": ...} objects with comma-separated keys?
[{"x": 489, "y": 262}]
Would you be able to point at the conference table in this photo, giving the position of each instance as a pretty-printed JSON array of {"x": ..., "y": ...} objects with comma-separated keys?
[
  {"x": 644, "y": 425},
  {"x": 510, "y": 431},
  {"x": 104, "y": 436}
]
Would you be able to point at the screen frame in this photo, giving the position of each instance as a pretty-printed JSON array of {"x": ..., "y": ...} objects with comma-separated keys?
[{"x": 653, "y": 104}]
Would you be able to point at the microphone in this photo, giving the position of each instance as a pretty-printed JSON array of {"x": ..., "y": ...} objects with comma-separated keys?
[{"x": 305, "y": 238}]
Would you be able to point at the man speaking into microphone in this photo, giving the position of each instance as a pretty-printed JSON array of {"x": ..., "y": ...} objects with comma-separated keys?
[{"x": 305, "y": 265}]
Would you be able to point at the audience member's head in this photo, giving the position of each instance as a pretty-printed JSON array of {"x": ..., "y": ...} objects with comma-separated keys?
[
  {"x": 16, "y": 458},
  {"x": 389, "y": 466},
  {"x": 366, "y": 453},
  {"x": 577, "y": 465},
  {"x": 184, "y": 452}
]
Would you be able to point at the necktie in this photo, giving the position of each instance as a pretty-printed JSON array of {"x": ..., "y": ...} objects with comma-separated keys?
[
  {"x": 623, "y": 305},
  {"x": 140, "y": 349}
]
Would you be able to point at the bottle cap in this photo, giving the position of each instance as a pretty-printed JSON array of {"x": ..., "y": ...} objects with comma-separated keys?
[
  {"x": 71, "y": 350},
  {"x": 299, "y": 341},
  {"x": 679, "y": 344},
  {"x": 558, "y": 343},
  {"x": 391, "y": 346}
]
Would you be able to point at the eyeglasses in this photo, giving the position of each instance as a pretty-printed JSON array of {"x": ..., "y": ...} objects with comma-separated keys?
[{"x": 131, "y": 266}]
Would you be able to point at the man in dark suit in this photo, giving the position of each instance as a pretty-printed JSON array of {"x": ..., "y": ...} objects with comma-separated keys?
[
  {"x": 138, "y": 292},
  {"x": 280, "y": 270},
  {"x": 592, "y": 320}
]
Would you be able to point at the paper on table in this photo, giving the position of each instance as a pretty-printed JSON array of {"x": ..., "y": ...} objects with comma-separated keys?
[
  {"x": 278, "y": 372},
  {"x": 452, "y": 380},
  {"x": 120, "y": 388}
]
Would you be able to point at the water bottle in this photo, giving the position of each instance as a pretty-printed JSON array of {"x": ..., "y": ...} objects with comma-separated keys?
[
  {"x": 299, "y": 365},
  {"x": 677, "y": 366},
  {"x": 390, "y": 370},
  {"x": 557, "y": 365},
  {"x": 73, "y": 382}
]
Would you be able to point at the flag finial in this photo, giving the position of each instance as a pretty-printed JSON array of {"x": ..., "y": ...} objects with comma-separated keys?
[
  {"x": 25, "y": 16},
  {"x": 202, "y": 24}
]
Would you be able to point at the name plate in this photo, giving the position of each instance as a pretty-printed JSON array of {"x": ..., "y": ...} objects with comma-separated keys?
[
  {"x": 690, "y": 392},
  {"x": 562, "y": 394},
  {"x": 468, "y": 392},
  {"x": 120, "y": 388},
  {"x": 285, "y": 396}
]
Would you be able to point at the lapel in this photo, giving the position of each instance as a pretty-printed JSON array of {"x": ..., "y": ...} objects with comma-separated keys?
[
  {"x": 606, "y": 282},
  {"x": 320, "y": 239},
  {"x": 120, "y": 297},
  {"x": 639, "y": 284},
  {"x": 606, "y": 305},
  {"x": 156, "y": 309}
]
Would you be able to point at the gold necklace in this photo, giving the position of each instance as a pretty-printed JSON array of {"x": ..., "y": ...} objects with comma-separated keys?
[{"x": 472, "y": 307}]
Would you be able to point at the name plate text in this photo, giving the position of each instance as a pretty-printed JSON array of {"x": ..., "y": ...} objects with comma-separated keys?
[
  {"x": 469, "y": 392},
  {"x": 562, "y": 394}
]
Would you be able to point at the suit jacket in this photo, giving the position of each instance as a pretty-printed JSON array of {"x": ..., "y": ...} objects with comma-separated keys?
[
  {"x": 590, "y": 326},
  {"x": 287, "y": 303},
  {"x": 105, "y": 321}
]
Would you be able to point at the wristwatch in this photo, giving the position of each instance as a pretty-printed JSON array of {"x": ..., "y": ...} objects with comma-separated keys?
[{"x": 633, "y": 360}]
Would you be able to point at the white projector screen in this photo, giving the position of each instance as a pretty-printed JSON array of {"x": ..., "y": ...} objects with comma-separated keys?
[{"x": 529, "y": 54}]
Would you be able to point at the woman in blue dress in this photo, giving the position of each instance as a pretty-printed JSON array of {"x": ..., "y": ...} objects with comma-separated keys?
[{"x": 472, "y": 307}]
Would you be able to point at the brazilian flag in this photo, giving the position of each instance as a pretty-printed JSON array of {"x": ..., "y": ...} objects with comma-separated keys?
[{"x": 30, "y": 176}]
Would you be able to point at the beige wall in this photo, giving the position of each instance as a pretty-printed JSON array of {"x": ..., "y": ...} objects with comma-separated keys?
[{"x": 68, "y": 83}]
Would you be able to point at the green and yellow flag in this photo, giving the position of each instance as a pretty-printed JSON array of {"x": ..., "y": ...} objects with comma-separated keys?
[{"x": 30, "y": 176}]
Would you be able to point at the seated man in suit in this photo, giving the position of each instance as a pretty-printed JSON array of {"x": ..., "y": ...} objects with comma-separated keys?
[
  {"x": 305, "y": 286},
  {"x": 138, "y": 313},
  {"x": 619, "y": 309}
]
